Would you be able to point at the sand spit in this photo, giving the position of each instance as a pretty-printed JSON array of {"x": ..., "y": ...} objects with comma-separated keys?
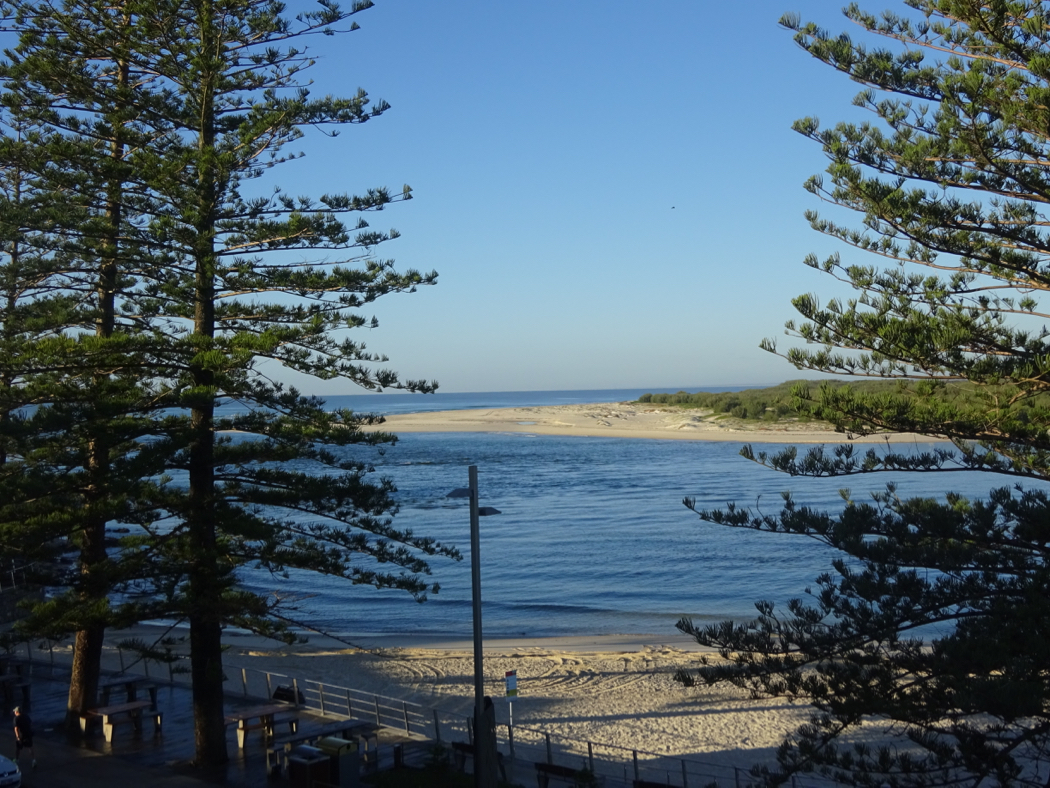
[{"x": 625, "y": 420}]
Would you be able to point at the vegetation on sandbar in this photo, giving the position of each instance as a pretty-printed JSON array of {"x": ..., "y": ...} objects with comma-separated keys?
[{"x": 792, "y": 400}]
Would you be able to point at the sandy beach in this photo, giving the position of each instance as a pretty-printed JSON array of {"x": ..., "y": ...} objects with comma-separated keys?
[
  {"x": 614, "y": 690},
  {"x": 625, "y": 420}
]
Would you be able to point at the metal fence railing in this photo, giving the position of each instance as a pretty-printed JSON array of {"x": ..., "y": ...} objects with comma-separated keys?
[{"x": 12, "y": 577}]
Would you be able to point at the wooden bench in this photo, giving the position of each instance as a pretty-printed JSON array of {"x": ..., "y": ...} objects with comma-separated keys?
[
  {"x": 577, "y": 777},
  {"x": 277, "y": 753},
  {"x": 121, "y": 714},
  {"x": 267, "y": 718}
]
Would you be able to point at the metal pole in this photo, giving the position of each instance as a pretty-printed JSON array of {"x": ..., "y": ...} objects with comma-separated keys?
[
  {"x": 475, "y": 586},
  {"x": 510, "y": 726},
  {"x": 484, "y": 738}
]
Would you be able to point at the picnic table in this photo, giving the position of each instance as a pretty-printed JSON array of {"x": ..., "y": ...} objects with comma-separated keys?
[
  {"x": 131, "y": 685},
  {"x": 120, "y": 714},
  {"x": 266, "y": 718},
  {"x": 278, "y": 752}
]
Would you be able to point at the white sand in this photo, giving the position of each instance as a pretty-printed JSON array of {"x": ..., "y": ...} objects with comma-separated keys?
[{"x": 625, "y": 420}]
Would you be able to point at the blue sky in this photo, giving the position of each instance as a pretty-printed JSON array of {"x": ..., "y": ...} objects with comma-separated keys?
[{"x": 610, "y": 191}]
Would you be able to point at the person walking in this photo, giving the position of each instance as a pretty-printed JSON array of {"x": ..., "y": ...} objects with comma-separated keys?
[{"x": 23, "y": 735}]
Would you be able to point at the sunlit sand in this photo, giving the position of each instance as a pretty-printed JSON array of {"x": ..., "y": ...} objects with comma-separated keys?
[{"x": 625, "y": 420}]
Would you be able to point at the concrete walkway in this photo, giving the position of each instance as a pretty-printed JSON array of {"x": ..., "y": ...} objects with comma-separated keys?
[{"x": 61, "y": 765}]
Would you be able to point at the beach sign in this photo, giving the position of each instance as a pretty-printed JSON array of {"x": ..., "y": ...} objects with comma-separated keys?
[{"x": 512, "y": 683}]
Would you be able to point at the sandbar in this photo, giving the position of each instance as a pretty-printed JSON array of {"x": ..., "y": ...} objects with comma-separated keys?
[{"x": 628, "y": 420}]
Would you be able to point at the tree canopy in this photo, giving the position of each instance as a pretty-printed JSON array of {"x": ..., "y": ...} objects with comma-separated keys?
[
  {"x": 158, "y": 292},
  {"x": 934, "y": 624}
]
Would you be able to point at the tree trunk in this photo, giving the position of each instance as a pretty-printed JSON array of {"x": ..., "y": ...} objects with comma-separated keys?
[
  {"x": 87, "y": 654},
  {"x": 204, "y": 593},
  {"x": 83, "y": 684},
  {"x": 206, "y": 576},
  {"x": 87, "y": 649}
]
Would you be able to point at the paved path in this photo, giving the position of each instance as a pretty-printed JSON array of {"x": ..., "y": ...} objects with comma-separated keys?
[{"x": 61, "y": 765}]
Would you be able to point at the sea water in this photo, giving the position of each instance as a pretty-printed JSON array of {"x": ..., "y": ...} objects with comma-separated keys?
[{"x": 592, "y": 536}]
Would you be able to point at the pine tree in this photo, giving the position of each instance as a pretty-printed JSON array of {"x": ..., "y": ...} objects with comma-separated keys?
[
  {"x": 66, "y": 86},
  {"x": 214, "y": 94},
  {"x": 936, "y": 622}
]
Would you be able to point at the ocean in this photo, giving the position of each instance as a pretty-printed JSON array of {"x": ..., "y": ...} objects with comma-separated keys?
[{"x": 592, "y": 536}]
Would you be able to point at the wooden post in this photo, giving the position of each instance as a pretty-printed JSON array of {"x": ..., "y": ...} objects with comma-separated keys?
[
  {"x": 244, "y": 681},
  {"x": 349, "y": 711},
  {"x": 635, "y": 754},
  {"x": 404, "y": 709},
  {"x": 590, "y": 757},
  {"x": 437, "y": 727},
  {"x": 269, "y": 689},
  {"x": 375, "y": 699},
  {"x": 685, "y": 777},
  {"x": 550, "y": 755},
  {"x": 320, "y": 695},
  {"x": 295, "y": 692}
]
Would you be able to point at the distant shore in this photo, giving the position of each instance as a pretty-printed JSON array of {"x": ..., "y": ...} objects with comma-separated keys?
[{"x": 627, "y": 420}]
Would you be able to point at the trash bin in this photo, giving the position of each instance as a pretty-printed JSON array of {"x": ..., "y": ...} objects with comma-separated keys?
[
  {"x": 344, "y": 761},
  {"x": 307, "y": 764}
]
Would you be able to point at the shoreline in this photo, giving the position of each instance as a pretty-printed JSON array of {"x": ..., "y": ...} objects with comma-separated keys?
[
  {"x": 458, "y": 645},
  {"x": 626, "y": 420}
]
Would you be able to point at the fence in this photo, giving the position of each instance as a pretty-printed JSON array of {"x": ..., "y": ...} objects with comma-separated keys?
[{"x": 12, "y": 577}]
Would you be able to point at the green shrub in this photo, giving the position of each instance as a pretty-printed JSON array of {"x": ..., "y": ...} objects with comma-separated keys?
[{"x": 728, "y": 404}]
